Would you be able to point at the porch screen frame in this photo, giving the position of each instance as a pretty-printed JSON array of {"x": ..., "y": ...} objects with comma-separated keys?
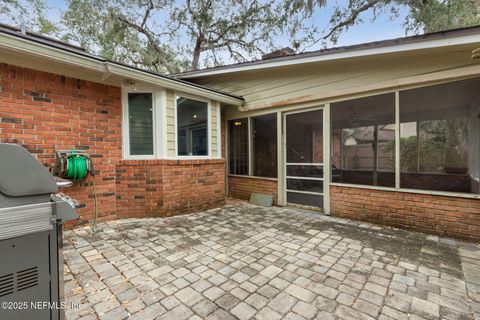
[
  {"x": 282, "y": 166},
  {"x": 397, "y": 163}
]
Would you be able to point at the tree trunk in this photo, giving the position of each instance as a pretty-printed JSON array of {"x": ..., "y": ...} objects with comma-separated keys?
[{"x": 196, "y": 54}]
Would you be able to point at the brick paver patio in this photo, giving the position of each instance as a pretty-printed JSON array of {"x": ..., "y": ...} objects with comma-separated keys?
[{"x": 244, "y": 261}]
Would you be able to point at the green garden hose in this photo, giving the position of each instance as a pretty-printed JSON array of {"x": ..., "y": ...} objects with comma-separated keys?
[{"x": 77, "y": 167}]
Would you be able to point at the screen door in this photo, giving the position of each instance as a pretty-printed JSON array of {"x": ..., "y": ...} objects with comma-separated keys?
[{"x": 304, "y": 158}]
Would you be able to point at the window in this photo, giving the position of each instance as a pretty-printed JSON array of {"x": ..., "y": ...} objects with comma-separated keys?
[
  {"x": 140, "y": 124},
  {"x": 192, "y": 127},
  {"x": 363, "y": 141},
  {"x": 439, "y": 137},
  {"x": 238, "y": 146},
  {"x": 264, "y": 145}
]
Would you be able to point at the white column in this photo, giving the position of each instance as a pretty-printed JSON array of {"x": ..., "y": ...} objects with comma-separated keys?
[
  {"x": 327, "y": 168},
  {"x": 280, "y": 161},
  {"x": 397, "y": 139}
]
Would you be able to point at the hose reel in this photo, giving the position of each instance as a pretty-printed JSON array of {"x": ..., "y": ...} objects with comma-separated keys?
[
  {"x": 76, "y": 165},
  {"x": 73, "y": 165}
]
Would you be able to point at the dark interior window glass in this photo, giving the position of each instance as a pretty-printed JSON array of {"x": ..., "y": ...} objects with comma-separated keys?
[
  {"x": 238, "y": 146},
  {"x": 140, "y": 123},
  {"x": 363, "y": 141},
  {"x": 264, "y": 132},
  {"x": 439, "y": 137},
  {"x": 192, "y": 125}
]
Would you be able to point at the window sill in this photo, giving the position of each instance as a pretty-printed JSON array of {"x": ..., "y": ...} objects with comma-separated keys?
[
  {"x": 145, "y": 157},
  {"x": 251, "y": 177},
  {"x": 417, "y": 191},
  {"x": 171, "y": 161},
  {"x": 192, "y": 158}
]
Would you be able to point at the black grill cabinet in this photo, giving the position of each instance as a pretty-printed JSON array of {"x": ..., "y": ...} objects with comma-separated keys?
[{"x": 32, "y": 213}]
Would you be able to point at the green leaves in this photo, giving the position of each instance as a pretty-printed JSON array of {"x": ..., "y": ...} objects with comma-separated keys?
[{"x": 172, "y": 36}]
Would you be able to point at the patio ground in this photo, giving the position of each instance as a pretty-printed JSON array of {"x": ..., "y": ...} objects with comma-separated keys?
[{"x": 245, "y": 261}]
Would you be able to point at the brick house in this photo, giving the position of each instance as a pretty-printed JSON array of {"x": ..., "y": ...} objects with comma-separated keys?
[{"x": 385, "y": 132}]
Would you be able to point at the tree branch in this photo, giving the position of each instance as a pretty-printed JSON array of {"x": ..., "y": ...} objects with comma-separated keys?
[{"x": 150, "y": 38}]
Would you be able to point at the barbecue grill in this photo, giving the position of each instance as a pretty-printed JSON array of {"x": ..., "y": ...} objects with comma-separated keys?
[{"x": 32, "y": 213}]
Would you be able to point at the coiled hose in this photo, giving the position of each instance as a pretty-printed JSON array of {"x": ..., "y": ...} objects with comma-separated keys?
[{"x": 77, "y": 167}]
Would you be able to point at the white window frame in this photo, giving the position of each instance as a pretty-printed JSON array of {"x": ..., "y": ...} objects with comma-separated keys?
[
  {"x": 158, "y": 114},
  {"x": 209, "y": 126}
]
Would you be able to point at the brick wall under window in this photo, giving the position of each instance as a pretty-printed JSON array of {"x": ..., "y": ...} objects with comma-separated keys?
[
  {"x": 242, "y": 186},
  {"x": 440, "y": 215},
  {"x": 149, "y": 188}
]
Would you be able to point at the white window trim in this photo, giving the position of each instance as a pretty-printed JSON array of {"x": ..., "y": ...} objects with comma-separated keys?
[
  {"x": 219, "y": 130},
  {"x": 209, "y": 126},
  {"x": 156, "y": 115}
]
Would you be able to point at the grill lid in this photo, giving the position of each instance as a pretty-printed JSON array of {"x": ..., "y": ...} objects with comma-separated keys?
[{"x": 21, "y": 174}]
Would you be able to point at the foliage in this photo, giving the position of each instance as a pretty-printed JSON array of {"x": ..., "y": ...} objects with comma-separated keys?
[
  {"x": 435, "y": 15},
  {"x": 172, "y": 36},
  {"x": 441, "y": 146},
  {"x": 181, "y": 35},
  {"x": 25, "y": 13},
  {"x": 423, "y": 16}
]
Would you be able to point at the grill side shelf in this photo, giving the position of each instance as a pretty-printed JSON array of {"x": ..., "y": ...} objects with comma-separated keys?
[{"x": 21, "y": 220}]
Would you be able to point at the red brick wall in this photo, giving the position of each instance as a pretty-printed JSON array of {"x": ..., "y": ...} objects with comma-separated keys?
[
  {"x": 147, "y": 188},
  {"x": 440, "y": 215},
  {"x": 193, "y": 185},
  {"x": 241, "y": 187},
  {"x": 139, "y": 188},
  {"x": 45, "y": 112}
]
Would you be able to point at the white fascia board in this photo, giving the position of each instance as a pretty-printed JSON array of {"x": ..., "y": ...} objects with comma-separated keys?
[
  {"x": 23, "y": 46},
  {"x": 354, "y": 53},
  {"x": 171, "y": 84},
  {"x": 46, "y": 52}
]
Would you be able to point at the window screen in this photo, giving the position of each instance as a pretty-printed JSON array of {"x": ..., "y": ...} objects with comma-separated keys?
[
  {"x": 140, "y": 123},
  {"x": 192, "y": 126},
  {"x": 264, "y": 134},
  {"x": 439, "y": 137},
  {"x": 238, "y": 146},
  {"x": 363, "y": 141}
]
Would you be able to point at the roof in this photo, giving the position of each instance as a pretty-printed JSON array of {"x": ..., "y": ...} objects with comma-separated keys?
[
  {"x": 81, "y": 52},
  {"x": 428, "y": 40}
]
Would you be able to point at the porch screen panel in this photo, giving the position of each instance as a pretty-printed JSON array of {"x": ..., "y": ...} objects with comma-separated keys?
[
  {"x": 304, "y": 158},
  {"x": 238, "y": 146},
  {"x": 140, "y": 123},
  {"x": 363, "y": 141},
  {"x": 264, "y": 141},
  {"x": 439, "y": 137}
]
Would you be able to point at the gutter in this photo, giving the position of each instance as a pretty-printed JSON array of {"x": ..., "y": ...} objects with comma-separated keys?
[{"x": 26, "y": 45}]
